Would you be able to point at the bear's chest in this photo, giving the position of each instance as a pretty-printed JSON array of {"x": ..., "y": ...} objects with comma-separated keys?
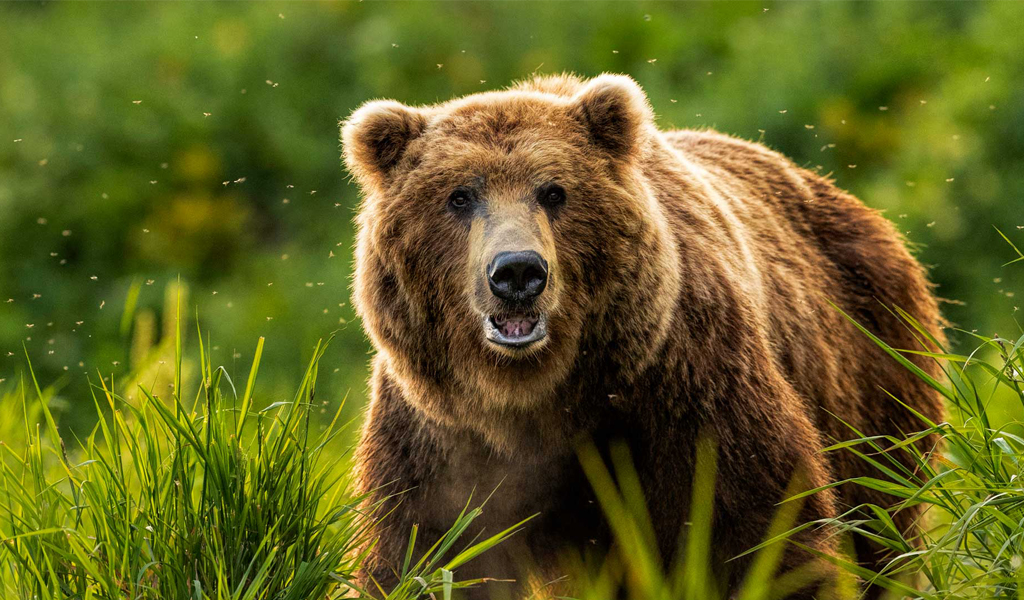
[{"x": 549, "y": 487}]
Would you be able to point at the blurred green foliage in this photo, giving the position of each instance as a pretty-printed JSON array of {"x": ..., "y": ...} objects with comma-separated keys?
[{"x": 146, "y": 141}]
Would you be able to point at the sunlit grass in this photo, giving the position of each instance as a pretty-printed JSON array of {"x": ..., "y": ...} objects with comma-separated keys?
[
  {"x": 207, "y": 498},
  {"x": 973, "y": 542}
]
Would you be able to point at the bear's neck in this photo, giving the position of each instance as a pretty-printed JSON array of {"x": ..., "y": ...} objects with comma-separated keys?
[{"x": 597, "y": 402}]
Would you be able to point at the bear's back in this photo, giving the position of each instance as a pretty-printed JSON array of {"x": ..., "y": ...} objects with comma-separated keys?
[
  {"x": 820, "y": 246},
  {"x": 862, "y": 249}
]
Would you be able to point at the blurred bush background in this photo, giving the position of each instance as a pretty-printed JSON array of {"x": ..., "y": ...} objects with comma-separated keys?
[{"x": 143, "y": 142}]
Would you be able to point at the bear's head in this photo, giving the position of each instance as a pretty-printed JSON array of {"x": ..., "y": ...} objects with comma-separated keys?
[{"x": 509, "y": 239}]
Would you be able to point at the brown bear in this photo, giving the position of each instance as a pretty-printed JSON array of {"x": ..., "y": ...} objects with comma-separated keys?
[{"x": 542, "y": 266}]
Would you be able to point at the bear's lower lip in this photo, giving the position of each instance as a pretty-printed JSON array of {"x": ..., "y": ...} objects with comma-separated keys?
[{"x": 515, "y": 330}]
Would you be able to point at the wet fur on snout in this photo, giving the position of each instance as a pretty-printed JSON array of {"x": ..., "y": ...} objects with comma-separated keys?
[{"x": 512, "y": 223}]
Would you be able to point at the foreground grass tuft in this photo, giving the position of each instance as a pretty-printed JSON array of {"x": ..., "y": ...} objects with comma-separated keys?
[
  {"x": 205, "y": 499},
  {"x": 972, "y": 545}
]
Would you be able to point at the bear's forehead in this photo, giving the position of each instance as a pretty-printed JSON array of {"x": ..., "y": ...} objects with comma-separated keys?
[
  {"x": 505, "y": 163},
  {"x": 499, "y": 140},
  {"x": 503, "y": 117}
]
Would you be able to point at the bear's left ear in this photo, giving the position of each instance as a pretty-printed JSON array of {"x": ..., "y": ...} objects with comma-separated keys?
[
  {"x": 376, "y": 136},
  {"x": 615, "y": 112}
]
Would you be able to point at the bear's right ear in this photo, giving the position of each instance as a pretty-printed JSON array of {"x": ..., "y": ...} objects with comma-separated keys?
[
  {"x": 615, "y": 112},
  {"x": 376, "y": 136}
]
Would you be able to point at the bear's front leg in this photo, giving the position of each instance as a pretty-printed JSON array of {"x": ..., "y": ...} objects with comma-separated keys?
[
  {"x": 421, "y": 473},
  {"x": 396, "y": 457},
  {"x": 763, "y": 450},
  {"x": 766, "y": 455}
]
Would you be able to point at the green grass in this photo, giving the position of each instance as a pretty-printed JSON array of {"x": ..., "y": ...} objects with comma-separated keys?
[
  {"x": 973, "y": 542},
  {"x": 219, "y": 497},
  {"x": 205, "y": 499}
]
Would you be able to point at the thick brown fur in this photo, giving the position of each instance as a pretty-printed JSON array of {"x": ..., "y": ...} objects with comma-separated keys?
[{"x": 691, "y": 276}]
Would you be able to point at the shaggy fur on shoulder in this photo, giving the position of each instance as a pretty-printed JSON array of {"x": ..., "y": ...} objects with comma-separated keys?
[{"x": 687, "y": 281}]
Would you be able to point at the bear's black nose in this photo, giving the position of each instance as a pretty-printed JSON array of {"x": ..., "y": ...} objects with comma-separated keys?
[{"x": 517, "y": 276}]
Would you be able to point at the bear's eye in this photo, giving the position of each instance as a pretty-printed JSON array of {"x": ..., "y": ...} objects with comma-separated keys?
[
  {"x": 460, "y": 198},
  {"x": 551, "y": 195}
]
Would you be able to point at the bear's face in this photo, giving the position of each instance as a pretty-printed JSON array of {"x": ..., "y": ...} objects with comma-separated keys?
[{"x": 502, "y": 233}]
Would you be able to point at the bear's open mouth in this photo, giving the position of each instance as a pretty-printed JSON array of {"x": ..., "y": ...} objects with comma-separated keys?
[{"x": 515, "y": 330}]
